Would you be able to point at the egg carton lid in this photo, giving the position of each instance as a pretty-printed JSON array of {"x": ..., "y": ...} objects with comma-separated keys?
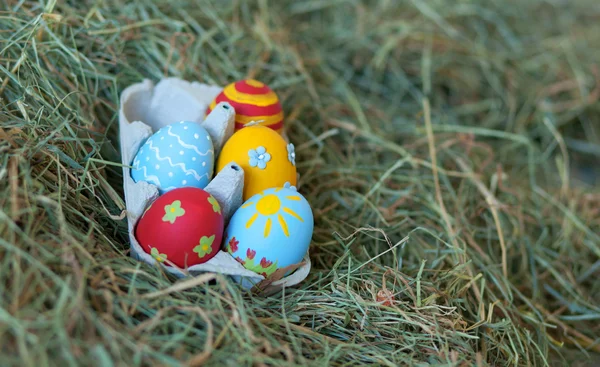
[{"x": 145, "y": 108}]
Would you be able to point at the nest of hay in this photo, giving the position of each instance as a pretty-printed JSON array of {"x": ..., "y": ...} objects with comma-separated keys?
[{"x": 450, "y": 153}]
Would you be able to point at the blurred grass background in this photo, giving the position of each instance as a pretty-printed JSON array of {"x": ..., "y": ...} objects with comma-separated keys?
[{"x": 450, "y": 151}]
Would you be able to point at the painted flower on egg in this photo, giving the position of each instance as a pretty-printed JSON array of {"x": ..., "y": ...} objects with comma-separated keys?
[
  {"x": 291, "y": 153},
  {"x": 173, "y": 211},
  {"x": 157, "y": 255},
  {"x": 205, "y": 246},
  {"x": 215, "y": 204},
  {"x": 259, "y": 157},
  {"x": 233, "y": 244}
]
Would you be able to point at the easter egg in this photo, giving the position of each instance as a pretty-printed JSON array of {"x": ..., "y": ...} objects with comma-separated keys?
[
  {"x": 183, "y": 226},
  {"x": 177, "y": 155},
  {"x": 271, "y": 230},
  {"x": 252, "y": 101},
  {"x": 268, "y": 161}
]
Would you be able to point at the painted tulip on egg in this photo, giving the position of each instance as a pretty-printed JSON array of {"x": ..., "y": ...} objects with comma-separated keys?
[
  {"x": 271, "y": 230},
  {"x": 184, "y": 226},
  {"x": 253, "y": 101}
]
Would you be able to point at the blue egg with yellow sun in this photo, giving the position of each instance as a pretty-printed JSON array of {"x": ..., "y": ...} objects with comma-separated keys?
[{"x": 271, "y": 230}]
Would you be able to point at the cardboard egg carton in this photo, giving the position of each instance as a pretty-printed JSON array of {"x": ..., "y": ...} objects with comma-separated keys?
[{"x": 145, "y": 108}]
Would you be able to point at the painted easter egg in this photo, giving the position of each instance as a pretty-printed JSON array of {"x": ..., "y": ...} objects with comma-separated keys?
[
  {"x": 252, "y": 101},
  {"x": 177, "y": 155},
  {"x": 184, "y": 226},
  {"x": 268, "y": 161},
  {"x": 271, "y": 230}
]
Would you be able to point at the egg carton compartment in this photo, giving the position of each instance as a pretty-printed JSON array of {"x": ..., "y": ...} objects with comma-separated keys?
[{"x": 144, "y": 109}]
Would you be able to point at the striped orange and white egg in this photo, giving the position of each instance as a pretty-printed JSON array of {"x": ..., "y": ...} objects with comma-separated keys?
[{"x": 253, "y": 101}]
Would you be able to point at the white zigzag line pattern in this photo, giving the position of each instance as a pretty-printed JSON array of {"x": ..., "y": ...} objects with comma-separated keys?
[
  {"x": 186, "y": 170},
  {"x": 152, "y": 179},
  {"x": 189, "y": 146}
]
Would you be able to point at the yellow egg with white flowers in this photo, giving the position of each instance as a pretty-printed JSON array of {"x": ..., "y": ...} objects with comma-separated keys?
[{"x": 267, "y": 159}]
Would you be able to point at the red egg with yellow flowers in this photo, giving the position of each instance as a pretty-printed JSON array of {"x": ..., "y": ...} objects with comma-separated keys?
[
  {"x": 253, "y": 101},
  {"x": 183, "y": 226}
]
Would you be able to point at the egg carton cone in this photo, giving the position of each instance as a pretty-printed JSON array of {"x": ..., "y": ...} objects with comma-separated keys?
[{"x": 144, "y": 109}]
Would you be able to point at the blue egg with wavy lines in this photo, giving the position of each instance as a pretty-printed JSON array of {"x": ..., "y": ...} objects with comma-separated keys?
[{"x": 177, "y": 155}]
